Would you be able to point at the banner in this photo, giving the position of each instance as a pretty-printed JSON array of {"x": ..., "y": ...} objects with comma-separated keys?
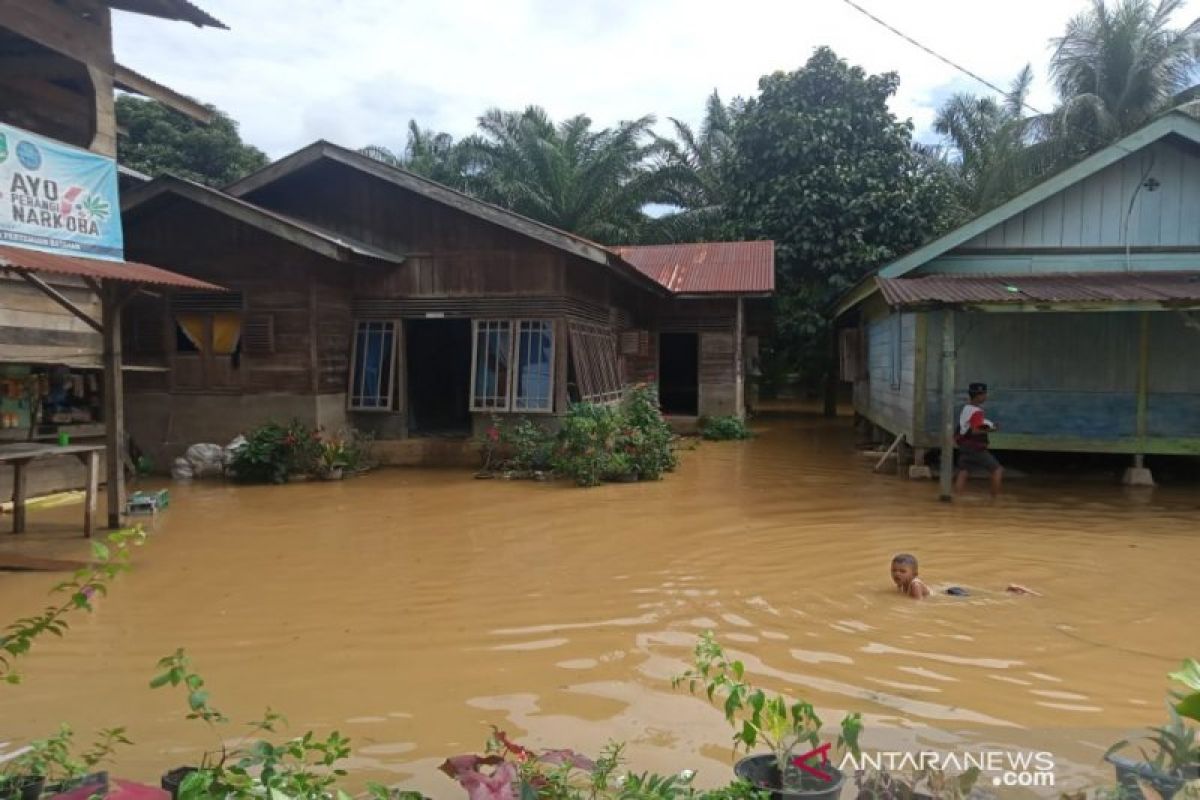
[{"x": 58, "y": 198}]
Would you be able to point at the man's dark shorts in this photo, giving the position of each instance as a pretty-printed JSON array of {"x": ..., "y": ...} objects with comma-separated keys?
[{"x": 980, "y": 460}]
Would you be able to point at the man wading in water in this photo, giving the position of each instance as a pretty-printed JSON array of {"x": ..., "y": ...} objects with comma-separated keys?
[{"x": 972, "y": 441}]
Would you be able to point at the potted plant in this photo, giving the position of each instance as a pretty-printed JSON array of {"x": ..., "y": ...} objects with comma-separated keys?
[
  {"x": 798, "y": 765},
  {"x": 926, "y": 783},
  {"x": 332, "y": 459},
  {"x": 1174, "y": 760},
  {"x": 50, "y": 764}
]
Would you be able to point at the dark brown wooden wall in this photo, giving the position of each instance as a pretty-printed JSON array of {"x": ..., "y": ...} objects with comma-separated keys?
[{"x": 305, "y": 296}]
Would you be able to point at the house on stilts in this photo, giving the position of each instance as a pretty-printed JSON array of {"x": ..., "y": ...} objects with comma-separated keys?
[
  {"x": 365, "y": 296},
  {"x": 1076, "y": 302}
]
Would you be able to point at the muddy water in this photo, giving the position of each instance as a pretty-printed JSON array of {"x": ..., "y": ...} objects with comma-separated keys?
[{"x": 411, "y": 608}]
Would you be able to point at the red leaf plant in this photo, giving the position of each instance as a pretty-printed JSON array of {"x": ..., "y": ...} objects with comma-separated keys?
[{"x": 508, "y": 766}]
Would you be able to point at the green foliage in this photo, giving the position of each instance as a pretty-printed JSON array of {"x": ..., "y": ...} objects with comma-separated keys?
[
  {"x": 719, "y": 429},
  {"x": 522, "y": 447},
  {"x": 823, "y": 167},
  {"x": 301, "y": 767},
  {"x": 160, "y": 139},
  {"x": 923, "y": 782},
  {"x": 53, "y": 758},
  {"x": 757, "y": 717},
  {"x": 1175, "y": 748},
  {"x": 109, "y": 559},
  {"x": 272, "y": 452},
  {"x": 431, "y": 154},
  {"x": 615, "y": 442},
  {"x": 1188, "y": 704}
]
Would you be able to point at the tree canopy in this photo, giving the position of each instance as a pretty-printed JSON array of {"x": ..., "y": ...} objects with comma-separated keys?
[{"x": 159, "y": 139}]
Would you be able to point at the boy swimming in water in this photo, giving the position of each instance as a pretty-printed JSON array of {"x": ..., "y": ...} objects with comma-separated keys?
[{"x": 904, "y": 575}]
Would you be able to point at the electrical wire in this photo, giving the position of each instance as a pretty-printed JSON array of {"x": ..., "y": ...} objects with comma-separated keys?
[{"x": 938, "y": 56}]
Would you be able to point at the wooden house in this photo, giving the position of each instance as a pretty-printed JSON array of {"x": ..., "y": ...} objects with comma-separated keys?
[
  {"x": 57, "y": 79},
  {"x": 366, "y": 296},
  {"x": 1075, "y": 302}
]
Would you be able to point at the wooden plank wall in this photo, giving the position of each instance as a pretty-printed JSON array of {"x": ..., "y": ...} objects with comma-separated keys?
[
  {"x": 1092, "y": 212},
  {"x": 33, "y": 328}
]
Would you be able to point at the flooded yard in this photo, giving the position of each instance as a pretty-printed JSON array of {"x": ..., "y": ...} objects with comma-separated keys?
[{"x": 411, "y": 608}]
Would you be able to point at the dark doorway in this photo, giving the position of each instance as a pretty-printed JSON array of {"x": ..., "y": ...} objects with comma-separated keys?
[
  {"x": 438, "y": 354},
  {"x": 679, "y": 373}
]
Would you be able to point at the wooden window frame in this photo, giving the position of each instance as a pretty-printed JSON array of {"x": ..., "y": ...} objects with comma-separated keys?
[
  {"x": 595, "y": 355},
  {"x": 390, "y": 398},
  {"x": 515, "y": 361}
]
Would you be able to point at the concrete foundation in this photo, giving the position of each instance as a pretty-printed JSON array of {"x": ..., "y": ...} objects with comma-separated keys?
[
  {"x": 427, "y": 452},
  {"x": 1138, "y": 476},
  {"x": 918, "y": 472}
]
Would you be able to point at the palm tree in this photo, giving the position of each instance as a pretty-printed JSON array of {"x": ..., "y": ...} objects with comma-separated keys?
[
  {"x": 692, "y": 169},
  {"x": 999, "y": 150},
  {"x": 428, "y": 153},
  {"x": 591, "y": 183},
  {"x": 1118, "y": 66}
]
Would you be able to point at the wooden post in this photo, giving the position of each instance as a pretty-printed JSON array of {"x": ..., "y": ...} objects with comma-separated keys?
[
  {"x": 113, "y": 298},
  {"x": 949, "y": 357},
  {"x": 18, "y": 496},
  {"x": 91, "y": 462},
  {"x": 1143, "y": 385},
  {"x": 739, "y": 361}
]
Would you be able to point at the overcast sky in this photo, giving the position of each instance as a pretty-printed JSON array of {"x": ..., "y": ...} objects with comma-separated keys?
[{"x": 355, "y": 71}]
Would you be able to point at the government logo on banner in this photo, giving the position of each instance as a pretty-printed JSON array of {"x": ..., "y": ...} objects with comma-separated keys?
[{"x": 58, "y": 198}]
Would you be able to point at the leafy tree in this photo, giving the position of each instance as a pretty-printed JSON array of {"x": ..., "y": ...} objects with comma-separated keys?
[
  {"x": 431, "y": 154},
  {"x": 693, "y": 169},
  {"x": 1119, "y": 65},
  {"x": 824, "y": 168},
  {"x": 591, "y": 183},
  {"x": 160, "y": 139}
]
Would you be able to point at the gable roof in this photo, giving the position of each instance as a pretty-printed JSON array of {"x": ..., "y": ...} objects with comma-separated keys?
[
  {"x": 1160, "y": 289},
  {"x": 1175, "y": 122},
  {"x": 314, "y": 238},
  {"x": 707, "y": 267},
  {"x": 432, "y": 190},
  {"x": 181, "y": 10}
]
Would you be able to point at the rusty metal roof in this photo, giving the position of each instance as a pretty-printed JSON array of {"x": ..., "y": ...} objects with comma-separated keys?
[
  {"x": 1068, "y": 288},
  {"x": 181, "y": 10},
  {"x": 707, "y": 267},
  {"x": 127, "y": 271}
]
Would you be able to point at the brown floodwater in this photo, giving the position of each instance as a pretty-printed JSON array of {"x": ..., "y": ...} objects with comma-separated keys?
[{"x": 411, "y": 608}]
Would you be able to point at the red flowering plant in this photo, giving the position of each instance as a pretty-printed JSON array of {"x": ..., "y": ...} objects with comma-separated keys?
[{"x": 509, "y": 771}]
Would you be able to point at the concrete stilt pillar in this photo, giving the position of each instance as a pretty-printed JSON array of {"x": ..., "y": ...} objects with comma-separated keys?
[
  {"x": 919, "y": 470},
  {"x": 1138, "y": 474}
]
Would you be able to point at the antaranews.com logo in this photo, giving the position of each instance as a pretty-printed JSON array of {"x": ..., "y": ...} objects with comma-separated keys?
[{"x": 1001, "y": 768}]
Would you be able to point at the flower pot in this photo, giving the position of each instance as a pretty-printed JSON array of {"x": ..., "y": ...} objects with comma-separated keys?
[
  {"x": 171, "y": 779},
  {"x": 23, "y": 787},
  {"x": 761, "y": 771},
  {"x": 1129, "y": 771},
  {"x": 332, "y": 474}
]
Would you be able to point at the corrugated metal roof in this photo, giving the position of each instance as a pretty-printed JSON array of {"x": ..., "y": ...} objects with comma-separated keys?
[
  {"x": 127, "y": 271},
  {"x": 169, "y": 9},
  {"x": 1168, "y": 288},
  {"x": 707, "y": 267}
]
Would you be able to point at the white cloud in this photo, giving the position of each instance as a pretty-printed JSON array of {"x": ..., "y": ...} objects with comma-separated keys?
[{"x": 355, "y": 71}]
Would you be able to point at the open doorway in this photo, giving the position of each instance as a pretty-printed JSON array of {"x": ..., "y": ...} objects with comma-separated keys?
[
  {"x": 679, "y": 373},
  {"x": 438, "y": 355}
]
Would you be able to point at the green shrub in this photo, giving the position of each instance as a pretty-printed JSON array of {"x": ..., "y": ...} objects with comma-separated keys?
[
  {"x": 609, "y": 443},
  {"x": 720, "y": 429},
  {"x": 529, "y": 445},
  {"x": 272, "y": 452}
]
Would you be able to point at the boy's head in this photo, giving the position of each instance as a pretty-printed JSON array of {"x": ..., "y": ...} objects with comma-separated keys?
[
  {"x": 904, "y": 569},
  {"x": 977, "y": 392}
]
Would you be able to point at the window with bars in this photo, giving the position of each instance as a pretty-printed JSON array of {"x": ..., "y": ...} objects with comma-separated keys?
[
  {"x": 372, "y": 378},
  {"x": 594, "y": 357},
  {"x": 512, "y": 365}
]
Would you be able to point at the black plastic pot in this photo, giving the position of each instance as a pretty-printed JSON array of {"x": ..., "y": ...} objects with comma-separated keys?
[
  {"x": 762, "y": 771},
  {"x": 23, "y": 787},
  {"x": 1129, "y": 771},
  {"x": 171, "y": 780}
]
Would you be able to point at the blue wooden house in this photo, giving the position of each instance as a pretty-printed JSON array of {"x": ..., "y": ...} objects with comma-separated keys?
[{"x": 1076, "y": 302}]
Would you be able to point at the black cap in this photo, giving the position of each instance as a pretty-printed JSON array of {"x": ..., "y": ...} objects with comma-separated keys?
[{"x": 977, "y": 388}]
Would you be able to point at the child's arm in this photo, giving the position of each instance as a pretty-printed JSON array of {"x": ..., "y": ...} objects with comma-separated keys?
[
  {"x": 918, "y": 590},
  {"x": 1016, "y": 588}
]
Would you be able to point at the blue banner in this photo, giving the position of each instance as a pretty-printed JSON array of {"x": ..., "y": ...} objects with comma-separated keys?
[{"x": 58, "y": 198}]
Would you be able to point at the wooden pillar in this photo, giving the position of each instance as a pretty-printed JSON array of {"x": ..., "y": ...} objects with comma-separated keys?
[
  {"x": 91, "y": 462},
  {"x": 739, "y": 360},
  {"x": 1143, "y": 384},
  {"x": 949, "y": 367},
  {"x": 112, "y": 296},
  {"x": 18, "y": 496}
]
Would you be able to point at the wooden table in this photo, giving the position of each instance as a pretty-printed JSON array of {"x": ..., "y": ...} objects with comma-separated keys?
[{"x": 19, "y": 455}]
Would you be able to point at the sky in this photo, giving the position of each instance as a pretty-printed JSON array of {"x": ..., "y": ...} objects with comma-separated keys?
[{"x": 355, "y": 72}]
